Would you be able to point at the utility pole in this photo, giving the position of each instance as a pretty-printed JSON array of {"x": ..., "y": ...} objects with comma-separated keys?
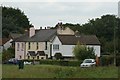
[{"x": 115, "y": 40}]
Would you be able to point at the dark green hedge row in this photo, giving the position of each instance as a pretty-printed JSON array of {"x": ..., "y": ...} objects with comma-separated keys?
[
  {"x": 109, "y": 60},
  {"x": 106, "y": 60},
  {"x": 58, "y": 62},
  {"x": 61, "y": 62}
]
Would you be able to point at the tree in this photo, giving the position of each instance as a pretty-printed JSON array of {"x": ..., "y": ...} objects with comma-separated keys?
[
  {"x": 82, "y": 52},
  {"x": 103, "y": 28},
  {"x": 7, "y": 54},
  {"x": 13, "y": 20}
]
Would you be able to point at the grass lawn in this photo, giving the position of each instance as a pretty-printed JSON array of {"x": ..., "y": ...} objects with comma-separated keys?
[{"x": 54, "y": 71}]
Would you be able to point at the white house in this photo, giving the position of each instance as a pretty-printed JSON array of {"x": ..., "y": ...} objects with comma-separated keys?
[{"x": 64, "y": 44}]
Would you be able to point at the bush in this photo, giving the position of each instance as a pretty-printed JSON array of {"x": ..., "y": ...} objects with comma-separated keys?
[
  {"x": 82, "y": 52},
  {"x": 7, "y": 54},
  {"x": 51, "y": 62},
  {"x": 106, "y": 60},
  {"x": 61, "y": 62},
  {"x": 58, "y": 56},
  {"x": 74, "y": 63}
]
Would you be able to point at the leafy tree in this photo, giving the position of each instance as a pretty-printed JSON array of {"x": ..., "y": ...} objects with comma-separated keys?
[
  {"x": 109, "y": 47},
  {"x": 7, "y": 54},
  {"x": 103, "y": 28},
  {"x": 13, "y": 20},
  {"x": 82, "y": 52}
]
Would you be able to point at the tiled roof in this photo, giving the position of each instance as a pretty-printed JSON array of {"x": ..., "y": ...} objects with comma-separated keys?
[
  {"x": 40, "y": 35},
  {"x": 83, "y": 39},
  {"x": 3, "y": 40},
  {"x": 15, "y": 35}
]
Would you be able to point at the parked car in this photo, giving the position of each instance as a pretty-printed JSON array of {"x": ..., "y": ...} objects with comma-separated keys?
[
  {"x": 11, "y": 61},
  {"x": 88, "y": 63},
  {"x": 27, "y": 63}
]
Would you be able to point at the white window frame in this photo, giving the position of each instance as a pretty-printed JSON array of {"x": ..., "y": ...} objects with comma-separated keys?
[{"x": 56, "y": 47}]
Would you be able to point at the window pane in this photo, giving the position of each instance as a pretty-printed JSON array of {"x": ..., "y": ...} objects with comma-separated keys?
[
  {"x": 37, "y": 57},
  {"x": 18, "y": 46},
  {"x": 55, "y": 47},
  {"x": 29, "y": 45},
  {"x": 37, "y": 45}
]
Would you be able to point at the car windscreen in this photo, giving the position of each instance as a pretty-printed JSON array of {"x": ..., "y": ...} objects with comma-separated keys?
[{"x": 88, "y": 61}]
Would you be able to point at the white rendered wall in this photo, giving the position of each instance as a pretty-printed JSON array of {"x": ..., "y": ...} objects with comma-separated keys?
[
  {"x": 8, "y": 44},
  {"x": 19, "y": 52},
  {"x": 56, "y": 41},
  {"x": 96, "y": 49},
  {"x": 67, "y": 50}
]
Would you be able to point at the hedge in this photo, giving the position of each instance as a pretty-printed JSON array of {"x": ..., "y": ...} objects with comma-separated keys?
[
  {"x": 61, "y": 62},
  {"x": 109, "y": 60},
  {"x": 106, "y": 60}
]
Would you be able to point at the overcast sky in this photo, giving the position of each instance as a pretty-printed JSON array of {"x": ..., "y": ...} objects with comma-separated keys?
[{"x": 50, "y": 12}]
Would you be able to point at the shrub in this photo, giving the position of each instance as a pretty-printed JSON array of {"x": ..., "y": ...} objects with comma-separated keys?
[
  {"x": 106, "y": 60},
  {"x": 82, "y": 52},
  {"x": 58, "y": 56},
  {"x": 74, "y": 63},
  {"x": 61, "y": 62},
  {"x": 7, "y": 54}
]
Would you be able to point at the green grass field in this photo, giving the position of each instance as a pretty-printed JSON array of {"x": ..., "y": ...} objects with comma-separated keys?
[{"x": 54, "y": 71}]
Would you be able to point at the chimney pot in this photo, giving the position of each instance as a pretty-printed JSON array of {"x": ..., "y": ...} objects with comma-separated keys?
[{"x": 40, "y": 27}]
